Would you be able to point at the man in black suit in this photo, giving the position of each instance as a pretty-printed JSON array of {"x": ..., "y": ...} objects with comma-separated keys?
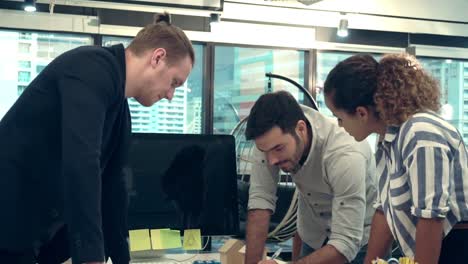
[{"x": 64, "y": 142}]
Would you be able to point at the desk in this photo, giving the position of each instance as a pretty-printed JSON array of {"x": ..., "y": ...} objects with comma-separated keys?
[
  {"x": 178, "y": 258},
  {"x": 171, "y": 258}
]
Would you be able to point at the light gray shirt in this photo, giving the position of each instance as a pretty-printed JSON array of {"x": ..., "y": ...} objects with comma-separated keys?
[{"x": 337, "y": 187}]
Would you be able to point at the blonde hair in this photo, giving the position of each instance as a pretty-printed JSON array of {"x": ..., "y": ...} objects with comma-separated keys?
[
  {"x": 403, "y": 89},
  {"x": 162, "y": 34}
]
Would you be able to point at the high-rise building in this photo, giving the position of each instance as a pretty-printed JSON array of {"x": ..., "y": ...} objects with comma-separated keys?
[
  {"x": 194, "y": 117},
  {"x": 453, "y": 79},
  {"x": 25, "y": 55},
  {"x": 163, "y": 117}
]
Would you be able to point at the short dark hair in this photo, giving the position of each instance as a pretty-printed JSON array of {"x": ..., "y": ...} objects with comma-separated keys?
[
  {"x": 273, "y": 109},
  {"x": 352, "y": 83}
]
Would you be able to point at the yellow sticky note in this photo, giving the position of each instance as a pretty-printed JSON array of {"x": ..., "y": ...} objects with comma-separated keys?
[
  {"x": 139, "y": 240},
  {"x": 165, "y": 238},
  {"x": 192, "y": 239},
  {"x": 156, "y": 240}
]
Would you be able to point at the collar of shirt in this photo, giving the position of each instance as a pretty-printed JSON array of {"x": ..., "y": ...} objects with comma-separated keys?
[
  {"x": 391, "y": 133},
  {"x": 390, "y": 136}
]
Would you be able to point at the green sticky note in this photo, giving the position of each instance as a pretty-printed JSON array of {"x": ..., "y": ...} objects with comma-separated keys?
[
  {"x": 165, "y": 238},
  {"x": 140, "y": 240},
  {"x": 192, "y": 239}
]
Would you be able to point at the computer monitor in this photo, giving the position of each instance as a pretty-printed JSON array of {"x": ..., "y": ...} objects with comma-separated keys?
[{"x": 182, "y": 181}]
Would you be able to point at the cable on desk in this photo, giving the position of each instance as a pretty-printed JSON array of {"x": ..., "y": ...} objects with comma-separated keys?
[{"x": 194, "y": 255}]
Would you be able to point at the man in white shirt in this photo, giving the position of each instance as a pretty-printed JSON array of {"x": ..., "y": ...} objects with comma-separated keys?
[{"x": 335, "y": 176}]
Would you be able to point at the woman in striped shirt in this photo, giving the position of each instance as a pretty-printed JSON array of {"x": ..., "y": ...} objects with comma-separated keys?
[{"x": 421, "y": 158}]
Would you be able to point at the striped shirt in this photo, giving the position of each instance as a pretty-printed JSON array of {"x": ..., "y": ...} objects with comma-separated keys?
[{"x": 423, "y": 174}]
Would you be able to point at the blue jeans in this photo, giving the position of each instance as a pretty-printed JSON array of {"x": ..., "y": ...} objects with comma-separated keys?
[{"x": 359, "y": 259}]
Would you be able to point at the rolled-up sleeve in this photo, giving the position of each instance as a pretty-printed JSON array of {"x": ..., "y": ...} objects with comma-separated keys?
[
  {"x": 429, "y": 175},
  {"x": 263, "y": 183},
  {"x": 346, "y": 173}
]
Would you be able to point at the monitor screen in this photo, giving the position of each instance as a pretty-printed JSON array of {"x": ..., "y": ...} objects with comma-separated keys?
[{"x": 182, "y": 181}]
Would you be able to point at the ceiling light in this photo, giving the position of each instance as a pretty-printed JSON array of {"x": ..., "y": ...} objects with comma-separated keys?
[
  {"x": 30, "y": 5},
  {"x": 343, "y": 28}
]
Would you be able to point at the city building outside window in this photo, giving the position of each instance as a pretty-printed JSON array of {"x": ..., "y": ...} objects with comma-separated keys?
[
  {"x": 26, "y": 54},
  {"x": 453, "y": 79}
]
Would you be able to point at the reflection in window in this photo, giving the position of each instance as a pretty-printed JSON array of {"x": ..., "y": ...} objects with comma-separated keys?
[
  {"x": 239, "y": 80},
  {"x": 453, "y": 79},
  {"x": 184, "y": 112},
  {"x": 25, "y": 59}
]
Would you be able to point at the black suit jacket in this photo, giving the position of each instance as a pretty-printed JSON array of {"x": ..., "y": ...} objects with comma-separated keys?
[{"x": 62, "y": 147}]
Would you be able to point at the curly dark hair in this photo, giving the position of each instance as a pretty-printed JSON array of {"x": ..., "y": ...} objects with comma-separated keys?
[
  {"x": 404, "y": 88},
  {"x": 396, "y": 86}
]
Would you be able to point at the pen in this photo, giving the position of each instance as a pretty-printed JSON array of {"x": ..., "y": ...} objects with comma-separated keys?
[{"x": 276, "y": 254}]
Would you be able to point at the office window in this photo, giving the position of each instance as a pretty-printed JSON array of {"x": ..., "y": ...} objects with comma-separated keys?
[
  {"x": 453, "y": 79},
  {"x": 23, "y": 59},
  {"x": 239, "y": 79},
  {"x": 184, "y": 112}
]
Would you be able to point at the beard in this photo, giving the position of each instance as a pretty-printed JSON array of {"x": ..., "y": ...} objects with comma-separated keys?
[{"x": 295, "y": 160}]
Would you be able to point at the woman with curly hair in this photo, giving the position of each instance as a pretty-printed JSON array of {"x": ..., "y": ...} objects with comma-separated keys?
[{"x": 421, "y": 158}]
